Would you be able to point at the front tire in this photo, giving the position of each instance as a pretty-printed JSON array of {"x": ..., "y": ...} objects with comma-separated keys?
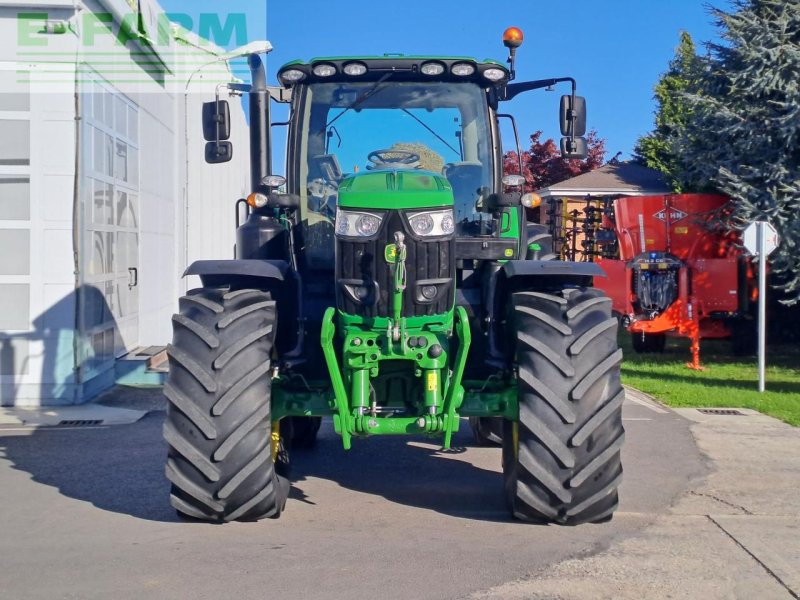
[
  {"x": 218, "y": 425},
  {"x": 561, "y": 459}
]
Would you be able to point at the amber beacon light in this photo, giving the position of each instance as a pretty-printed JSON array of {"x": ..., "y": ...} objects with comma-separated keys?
[{"x": 513, "y": 37}]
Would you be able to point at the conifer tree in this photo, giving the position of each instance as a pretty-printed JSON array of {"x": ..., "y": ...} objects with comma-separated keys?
[
  {"x": 657, "y": 149},
  {"x": 743, "y": 137}
]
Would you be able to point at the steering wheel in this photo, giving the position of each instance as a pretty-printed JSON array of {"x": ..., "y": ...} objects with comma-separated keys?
[{"x": 393, "y": 157}]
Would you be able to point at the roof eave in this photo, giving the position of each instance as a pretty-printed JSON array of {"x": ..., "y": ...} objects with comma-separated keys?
[{"x": 548, "y": 192}]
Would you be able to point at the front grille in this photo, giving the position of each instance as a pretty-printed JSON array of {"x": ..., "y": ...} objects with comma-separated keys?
[{"x": 364, "y": 262}]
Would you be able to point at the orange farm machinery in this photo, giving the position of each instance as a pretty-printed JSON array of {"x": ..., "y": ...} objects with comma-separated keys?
[{"x": 670, "y": 270}]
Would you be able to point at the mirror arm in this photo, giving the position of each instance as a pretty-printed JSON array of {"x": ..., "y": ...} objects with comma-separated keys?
[
  {"x": 242, "y": 88},
  {"x": 218, "y": 117},
  {"x": 514, "y": 89},
  {"x": 280, "y": 95}
]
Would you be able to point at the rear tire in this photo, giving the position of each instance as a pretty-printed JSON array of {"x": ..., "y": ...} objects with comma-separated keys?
[
  {"x": 540, "y": 235},
  {"x": 218, "y": 424},
  {"x": 304, "y": 431},
  {"x": 648, "y": 343},
  {"x": 561, "y": 459},
  {"x": 488, "y": 431}
]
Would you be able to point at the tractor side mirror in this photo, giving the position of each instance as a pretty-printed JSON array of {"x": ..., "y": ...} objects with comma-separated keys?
[
  {"x": 216, "y": 130},
  {"x": 573, "y": 126},
  {"x": 218, "y": 152},
  {"x": 573, "y": 118},
  {"x": 574, "y": 148},
  {"x": 216, "y": 121}
]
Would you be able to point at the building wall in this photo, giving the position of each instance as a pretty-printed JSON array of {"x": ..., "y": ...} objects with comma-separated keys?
[{"x": 67, "y": 297}]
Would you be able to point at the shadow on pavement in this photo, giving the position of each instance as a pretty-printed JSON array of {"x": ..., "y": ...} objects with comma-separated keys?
[
  {"x": 119, "y": 469},
  {"x": 412, "y": 472}
]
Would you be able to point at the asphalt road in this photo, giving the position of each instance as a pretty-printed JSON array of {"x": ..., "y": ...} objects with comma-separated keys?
[{"x": 85, "y": 514}]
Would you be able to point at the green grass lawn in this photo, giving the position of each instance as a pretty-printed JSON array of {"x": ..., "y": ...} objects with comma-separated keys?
[{"x": 727, "y": 380}]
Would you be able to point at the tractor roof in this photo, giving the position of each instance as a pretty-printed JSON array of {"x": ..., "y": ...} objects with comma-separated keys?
[{"x": 399, "y": 67}]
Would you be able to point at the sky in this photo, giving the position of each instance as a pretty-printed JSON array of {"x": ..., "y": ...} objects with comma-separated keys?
[{"x": 615, "y": 49}]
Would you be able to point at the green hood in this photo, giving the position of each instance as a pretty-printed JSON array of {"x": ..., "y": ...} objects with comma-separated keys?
[{"x": 395, "y": 189}]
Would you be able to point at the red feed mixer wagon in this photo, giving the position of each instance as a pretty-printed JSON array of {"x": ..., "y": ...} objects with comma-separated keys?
[{"x": 674, "y": 273}]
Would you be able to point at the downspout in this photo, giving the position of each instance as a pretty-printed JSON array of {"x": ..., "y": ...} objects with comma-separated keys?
[{"x": 77, "y": 234}]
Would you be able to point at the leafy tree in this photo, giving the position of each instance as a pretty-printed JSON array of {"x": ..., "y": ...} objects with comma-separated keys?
[
  {"x": 543, "y": 165},
  {"x": 743, "y": 137},
  {"x": 657, "y": 149}
]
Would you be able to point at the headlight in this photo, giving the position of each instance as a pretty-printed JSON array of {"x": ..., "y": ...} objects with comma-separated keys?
[
  {"x": 357, "y": 224},
  {"x": 368, "y": 225},
  {"x": 432, "y": 222}
]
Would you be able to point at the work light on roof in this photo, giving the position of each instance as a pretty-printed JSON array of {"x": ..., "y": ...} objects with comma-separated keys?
[
  {"x": 324, "y": 70},
  {"x": 432, "y": 68},
  {"x": 463, "y": 69},
  {"x": 354, "y": 69},
  {"x": 292, "y": 76},
  {"x": 494, "y": 74}
]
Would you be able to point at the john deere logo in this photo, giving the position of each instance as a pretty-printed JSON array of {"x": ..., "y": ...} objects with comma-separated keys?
[
  {"x": 675, "y": 215},
  {"x": 390, "y": 253}
]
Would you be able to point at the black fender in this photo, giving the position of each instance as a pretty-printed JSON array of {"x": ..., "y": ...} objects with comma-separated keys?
[
  {"x": 527, "y": 275},
  {"x": 560, "y": 271},
  {"x": 239, "y": 273},
  {"x": 275, "y": 276}
]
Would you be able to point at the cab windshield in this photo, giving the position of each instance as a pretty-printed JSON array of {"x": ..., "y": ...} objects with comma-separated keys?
[{"x": 353, "y": 127}]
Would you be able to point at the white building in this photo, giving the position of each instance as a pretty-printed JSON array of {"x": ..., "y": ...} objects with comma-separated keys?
[{"x": 104, "y": 198}]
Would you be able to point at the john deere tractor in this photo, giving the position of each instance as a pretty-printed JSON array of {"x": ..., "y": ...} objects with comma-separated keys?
[{"x": 390, "y": 282}]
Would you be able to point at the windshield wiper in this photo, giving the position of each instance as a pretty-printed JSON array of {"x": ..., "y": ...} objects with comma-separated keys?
[
  {"x": 360, "y": 100},
  {"x": 421, "y": 122}
]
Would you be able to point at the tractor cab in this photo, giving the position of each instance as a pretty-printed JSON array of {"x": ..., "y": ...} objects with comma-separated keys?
[{"x": 428, "y": 119}]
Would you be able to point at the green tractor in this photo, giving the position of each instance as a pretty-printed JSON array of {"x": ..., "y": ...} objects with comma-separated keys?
[{"x": 391, "y": 282}]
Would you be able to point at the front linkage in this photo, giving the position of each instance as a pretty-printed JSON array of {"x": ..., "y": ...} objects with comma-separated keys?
[{"x": 423, "y": 341}]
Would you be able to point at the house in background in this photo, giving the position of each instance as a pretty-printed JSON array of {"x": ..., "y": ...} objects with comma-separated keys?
[
  {"x": 612, "y": 179},
  {"x": 570, "y": 207},
  {"x": 103, "y": 197}
]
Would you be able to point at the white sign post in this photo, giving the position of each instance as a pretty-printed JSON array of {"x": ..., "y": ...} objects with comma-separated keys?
[{"x": 761, "y": 239}]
